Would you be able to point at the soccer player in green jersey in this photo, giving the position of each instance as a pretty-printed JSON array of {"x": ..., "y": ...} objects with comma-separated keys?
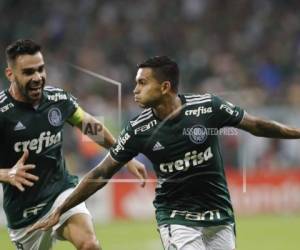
[
  {"x": 178, "y": 133},
  {"x": 32, "y": 168}
]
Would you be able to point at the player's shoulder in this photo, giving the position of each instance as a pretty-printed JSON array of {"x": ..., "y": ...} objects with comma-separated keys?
[
  {"x": 5, "y": 102},
  {"x": 198, "y": 99},
  {"x": 143, "y": 117},
  {"x": 53, "y": 89}
]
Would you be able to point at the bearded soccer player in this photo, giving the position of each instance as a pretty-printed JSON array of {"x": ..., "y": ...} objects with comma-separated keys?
[
  {"x": 193, "y": 206},
  {"x": 32, "y": 168}
]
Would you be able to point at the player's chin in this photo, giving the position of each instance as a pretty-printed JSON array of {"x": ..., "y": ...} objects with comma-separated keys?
[
  {"x": 34, "y": 97},
  {"x": 140, "y": 104}
]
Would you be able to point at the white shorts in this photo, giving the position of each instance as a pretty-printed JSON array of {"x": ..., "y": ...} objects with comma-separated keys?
[
  {"x": 43, "y": 240},
  {"x": 180, "y": 237}
]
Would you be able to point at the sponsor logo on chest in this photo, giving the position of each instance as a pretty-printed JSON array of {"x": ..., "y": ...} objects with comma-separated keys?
[
  {"x": 45, "y": 140},
  {"x": 57, "y": 97},
  {"x": 199, "y": 111},
  {"x": 191, "y": 159}
]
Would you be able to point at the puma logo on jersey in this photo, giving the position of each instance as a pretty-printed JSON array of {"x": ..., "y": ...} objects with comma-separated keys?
[
  {"x": 199, "y": 111},
  {"x": 45, "y": 140},
  {"x": 190, "y": 159}
]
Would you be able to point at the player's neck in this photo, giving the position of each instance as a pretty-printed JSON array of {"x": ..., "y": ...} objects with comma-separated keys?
[{"x": 169, "y": 107}]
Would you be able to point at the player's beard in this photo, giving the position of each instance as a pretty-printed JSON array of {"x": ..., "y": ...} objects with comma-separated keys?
[{"x": 32, "y": 91}]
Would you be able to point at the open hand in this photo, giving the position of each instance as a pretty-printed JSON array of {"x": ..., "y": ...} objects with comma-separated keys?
[
  {"x": 18, "y": 175},
  {"x": 138, "y": 169}
]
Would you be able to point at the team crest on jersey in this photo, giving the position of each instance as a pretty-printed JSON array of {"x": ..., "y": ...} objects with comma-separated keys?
[
  {"x": 55, "y": 117},
  {"x": 197, "y": 134}
]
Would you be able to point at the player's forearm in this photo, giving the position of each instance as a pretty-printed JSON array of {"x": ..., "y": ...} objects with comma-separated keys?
[
  {"x": 94, "y": 180},
  {"x": 4, "y": 177},
  {"x": 277, "y": 130},
  {"x": 273, "y": 129},
  {"x": 96, "y": 131},
  {"x": 107, "y": 140}
]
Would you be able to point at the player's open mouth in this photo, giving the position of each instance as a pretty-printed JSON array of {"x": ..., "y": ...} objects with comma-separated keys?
[{"x": 35, "y": 91}]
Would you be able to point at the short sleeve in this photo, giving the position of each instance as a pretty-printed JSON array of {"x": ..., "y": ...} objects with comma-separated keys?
[
  {"x": 72, "y": 104},
  {"x": 1, "y": 142},
  {"x": 125, "y": 148},
  {"x": 225, "y": 113}
]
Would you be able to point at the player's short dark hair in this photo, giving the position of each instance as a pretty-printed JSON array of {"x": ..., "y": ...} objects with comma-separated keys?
[
  {"x": 164, "y": 69},
  {"x": 21, "y": 47}
]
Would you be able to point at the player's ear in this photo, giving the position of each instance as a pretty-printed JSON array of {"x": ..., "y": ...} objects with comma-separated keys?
[
  {"x": 165, "y": 87},
  {"x": 9, "y": 74}
]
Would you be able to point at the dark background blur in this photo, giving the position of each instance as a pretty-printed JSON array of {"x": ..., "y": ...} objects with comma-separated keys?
[{"x": 246, "y": 51}]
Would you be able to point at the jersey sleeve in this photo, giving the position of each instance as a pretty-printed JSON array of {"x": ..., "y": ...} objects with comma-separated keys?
[
  {"x": 125, "y": 148},
  {"x": 72, "y": 104},
  {"x": 226, "y": 114},
  {"x": 1, "y": 142}
]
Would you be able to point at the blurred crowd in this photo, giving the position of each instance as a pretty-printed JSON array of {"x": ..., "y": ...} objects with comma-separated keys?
[{"x": 247, "y": 51}]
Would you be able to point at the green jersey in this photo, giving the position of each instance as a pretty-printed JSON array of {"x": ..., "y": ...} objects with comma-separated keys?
[
  {"x": 191, "y": 188},
  {"x": 40, "y": 131}
]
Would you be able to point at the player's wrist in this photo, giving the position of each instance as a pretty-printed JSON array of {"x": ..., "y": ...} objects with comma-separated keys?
[
  {"x": 59, "y": 210},
  {"x": 4, "y": 175}
]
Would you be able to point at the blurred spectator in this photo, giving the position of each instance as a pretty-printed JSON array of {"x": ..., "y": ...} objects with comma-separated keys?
[{"x": 246, "y": 51}]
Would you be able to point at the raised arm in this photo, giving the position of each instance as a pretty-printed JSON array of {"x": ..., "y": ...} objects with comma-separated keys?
[
  {"x": 267, "y": 128},
  {"x": 95, "y": 130},
  {"x": 92, "y": 127}
]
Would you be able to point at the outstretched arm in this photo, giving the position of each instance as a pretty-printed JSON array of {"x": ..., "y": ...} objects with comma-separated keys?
[
  {"x": 92, "y": 127},
  {"x": 91, "y": 182},
  {"x": 266, "y": 128}
]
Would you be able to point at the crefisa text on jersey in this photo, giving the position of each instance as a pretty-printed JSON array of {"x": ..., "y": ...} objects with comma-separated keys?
[
  {"x": 121, "y": 142},
  {"x": 199, "y": 111},
  {"x": 193, "y": 158},
  {"x": 45, "y": 140}
]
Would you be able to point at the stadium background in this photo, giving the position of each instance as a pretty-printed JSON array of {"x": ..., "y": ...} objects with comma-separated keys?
[{"x": 246, "y": 51}]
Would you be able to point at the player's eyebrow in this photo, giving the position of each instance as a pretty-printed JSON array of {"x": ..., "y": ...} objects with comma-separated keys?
[{"x": 33, "y": 69}]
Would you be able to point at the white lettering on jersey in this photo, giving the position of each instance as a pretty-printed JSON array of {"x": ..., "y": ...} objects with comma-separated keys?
[
  {"x": 6, "y": 107},
  {"x": 57, "y": 97},
  {"x": 199, "y": 111},
  {"x": 196, "y": 216},
  {"x": 145, "y": 127},
  {"x": 33, "y": 210},
  {"x": 229, "y": 110},
  {"x": 190, "y": 159},
  {"x": 121, "y": 142},
  {"x": 45, "y": 140}
]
